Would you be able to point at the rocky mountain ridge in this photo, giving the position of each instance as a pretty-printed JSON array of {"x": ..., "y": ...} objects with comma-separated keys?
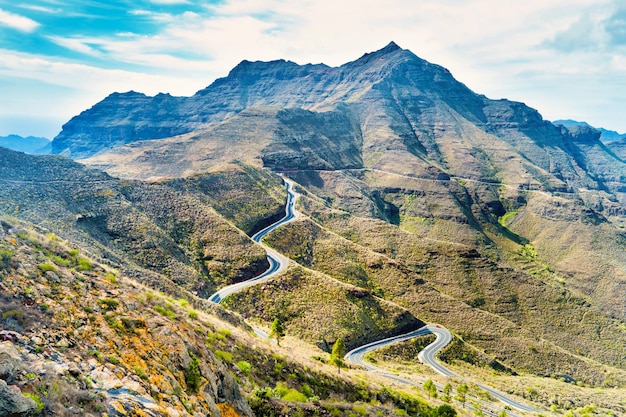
[{"x": 29, "y": 144}]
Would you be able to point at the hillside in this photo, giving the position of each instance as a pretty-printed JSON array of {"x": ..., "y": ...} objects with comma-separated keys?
[
  {"x": 422, "y": 201},
  {"x": 82, "y": 338}
]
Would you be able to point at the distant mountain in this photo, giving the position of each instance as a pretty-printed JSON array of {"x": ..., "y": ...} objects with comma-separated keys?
[
  {"x": 606, "y": 136},
  {"x": 31, "y": 144}
]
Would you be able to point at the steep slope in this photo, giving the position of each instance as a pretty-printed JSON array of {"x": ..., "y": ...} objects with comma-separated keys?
[{"x": 175, "y": 233}]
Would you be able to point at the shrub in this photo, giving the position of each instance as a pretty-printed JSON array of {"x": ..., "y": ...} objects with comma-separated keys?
[
  {"x": 111, "y": 277},
  {"x": 37, "y": 400},
  {"x": 140, "y": 372},
  {"x": 108, "y": 304},
  {"x": 225, "y": 356},
  {"x": 245, "y": 367},
  {"x": 113, "y": 359},
  {"x": 193, "y": 314},
  {"x": 5, "y": 258},
  {"x": 294, "y": 395},
  {"x": 97, "y": 354},
  {"x": 47, "y": 267},
  {"x": 193, "y": 375},
  {"x": 166, "y": 311},
  {"x": 84, "y": 265},
  {"x": 225, "y": 333},
  {"x": 60, "y": 261}
]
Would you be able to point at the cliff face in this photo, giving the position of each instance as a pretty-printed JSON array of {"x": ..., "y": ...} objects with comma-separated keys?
[{"x": 387, "y": 107}]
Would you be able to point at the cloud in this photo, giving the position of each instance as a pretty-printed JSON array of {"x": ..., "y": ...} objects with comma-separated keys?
[
  {"x": 37, "y": 8},
  {"x": 615, "y": 27},
  {"x": 169, "y": 2},
  {"x": 599, "y": 29},
  {"x": 18, "y": 22},
  {"x": 77, "y": 45}
]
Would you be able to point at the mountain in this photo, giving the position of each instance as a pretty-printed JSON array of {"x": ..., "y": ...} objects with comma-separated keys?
[
  {"x": 422, "y": 201},
  {"x": 30, "y": 144},
  {"x": 606, "y": 136}
]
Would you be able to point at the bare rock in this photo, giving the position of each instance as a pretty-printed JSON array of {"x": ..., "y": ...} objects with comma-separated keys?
[
  {"x": 10, "y": 361},
  {"x": 13, "y": 403}
]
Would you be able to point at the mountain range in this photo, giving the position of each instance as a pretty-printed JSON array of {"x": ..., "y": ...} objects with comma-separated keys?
[
  {"x": 606, "y": 136},
  {"x": 30, "y": 144},
  {"x": 421, "y": 201}
]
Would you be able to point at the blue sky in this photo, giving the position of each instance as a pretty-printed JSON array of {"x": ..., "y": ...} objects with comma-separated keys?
[{"x": 59, "y": 57}]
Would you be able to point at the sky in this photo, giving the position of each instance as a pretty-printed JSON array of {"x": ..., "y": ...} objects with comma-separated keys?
[{"x": 567, "y": 59}]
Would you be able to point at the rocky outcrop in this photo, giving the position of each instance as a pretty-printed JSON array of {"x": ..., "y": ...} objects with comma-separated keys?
[{"x": 13, "y": 403}]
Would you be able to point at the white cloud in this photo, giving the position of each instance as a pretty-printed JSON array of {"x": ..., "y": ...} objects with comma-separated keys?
[
  {"x": 169, "y": 2},
  {"x": 18, "y": 22},
  {"x": 76, "y": 45},
  {"x": 39, "y": 8},
  {"x": 97, "y": 81},
  {"x": 501, "y": 48}
]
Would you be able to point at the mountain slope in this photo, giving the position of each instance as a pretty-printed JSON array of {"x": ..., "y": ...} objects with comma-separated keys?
[{"x": 522, "y": 219}]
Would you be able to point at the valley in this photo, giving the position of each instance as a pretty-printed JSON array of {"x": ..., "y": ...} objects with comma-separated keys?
[{"x": 364, "y": 202}]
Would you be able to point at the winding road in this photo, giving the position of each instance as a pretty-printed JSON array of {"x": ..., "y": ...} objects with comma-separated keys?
[
  {"x": 279, "y": 263},
  {"x": 427, "y": 357}
]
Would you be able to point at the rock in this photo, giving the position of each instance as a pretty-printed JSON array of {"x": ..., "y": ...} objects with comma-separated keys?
[
  {"x": 13, "y": 403},
  {"x": 53, "y": 277},
  {"x": 9, "y": 335},
  {"x": 10, "y": 361}
]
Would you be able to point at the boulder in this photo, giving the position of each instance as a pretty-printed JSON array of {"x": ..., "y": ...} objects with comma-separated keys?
[
  {"x": 10, "y": 361},
  {"x": 14, "y": 404}
]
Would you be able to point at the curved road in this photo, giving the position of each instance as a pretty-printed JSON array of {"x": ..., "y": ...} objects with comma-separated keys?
[
  {"x": 427, "y": 356},
  {"x": 277, "y": 261}
]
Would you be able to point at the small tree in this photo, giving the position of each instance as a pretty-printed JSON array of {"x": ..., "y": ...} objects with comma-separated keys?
[
  {"x": 430, "y": 388},
  {"x": 336, "y": 355},
  {"x": 461, "y": 394},
  {"x": 193, "y": 375},
  {"x": 443, "y": 411},
  {"x": 502, "y": 413},
  {"x": 447, "y": 389},
  {"x": 278, "y": 330}
]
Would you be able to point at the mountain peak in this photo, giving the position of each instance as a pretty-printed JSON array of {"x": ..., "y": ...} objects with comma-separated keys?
[{"x": 391, "y": 47}]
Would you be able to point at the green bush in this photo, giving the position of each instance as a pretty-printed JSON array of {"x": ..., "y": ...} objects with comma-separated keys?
[
  {"x": 294, "y": 395},
  {"x": 245, "y": 367},
  {"x": 165, "y": 311},
  {"x": 108, "y": 304},
  {"x": 47, "y": 267},
  {"x": 37, "y": 400},
  {"x": 225, "y": 356},
  {"x": 193, "y": 375},
  {"x": 84, "y": 264},
  {"x": 61, "y": 261},
  {"x": 5, "y": 258}
]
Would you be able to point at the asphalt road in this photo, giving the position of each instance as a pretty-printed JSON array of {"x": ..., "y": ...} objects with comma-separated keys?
[
  {"x": 277, "y": 261},
  {"x": 427, "y": 356}
]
